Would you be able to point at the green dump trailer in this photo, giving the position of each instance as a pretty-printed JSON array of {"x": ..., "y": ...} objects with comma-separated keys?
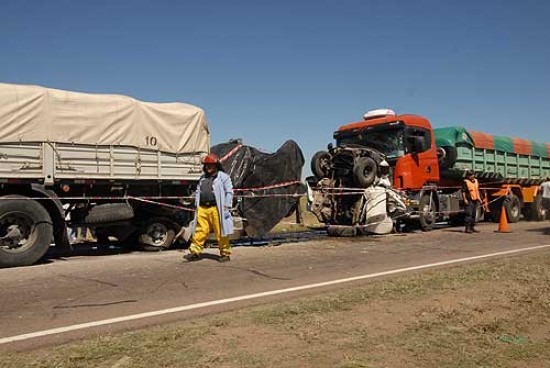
[{"x": 505, "y": 166}]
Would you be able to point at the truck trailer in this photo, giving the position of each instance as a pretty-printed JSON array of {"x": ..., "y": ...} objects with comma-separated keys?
[
  {"x": 93, "y": 160},
  {"x": 427, "y": 167}
]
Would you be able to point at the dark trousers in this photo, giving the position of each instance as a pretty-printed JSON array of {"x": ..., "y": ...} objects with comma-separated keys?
[{"x": 470, "y": 211}]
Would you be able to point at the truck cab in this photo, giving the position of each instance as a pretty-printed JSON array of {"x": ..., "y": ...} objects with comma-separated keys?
[{"x": 406, "y": 141}]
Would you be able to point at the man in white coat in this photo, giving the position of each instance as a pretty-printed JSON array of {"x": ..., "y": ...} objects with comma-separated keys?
[{"x": 213, "y": 202}]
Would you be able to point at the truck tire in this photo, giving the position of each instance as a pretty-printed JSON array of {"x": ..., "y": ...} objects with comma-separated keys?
[
  {"x": 31, "y": 229},
  {"x": 428, "y": 212},
  {"x": 364, "y": 172},
  {"x": 537, "y": 212},
  {"x": 513, "y": 208},
  {"x": 110, "y": 212},
  {"x": 157, "y": 234},
  {"x": 320, "y": 165},
  {"x": 446, "y": 157}
]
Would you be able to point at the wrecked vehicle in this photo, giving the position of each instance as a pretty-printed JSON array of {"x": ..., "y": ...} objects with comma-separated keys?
[
  {"x": 353, "y": 195},
  {"x": 426, "y": 169},
  {"x": 267, "y": 185}
]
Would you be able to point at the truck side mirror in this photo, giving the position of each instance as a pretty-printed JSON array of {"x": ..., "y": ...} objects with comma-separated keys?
[{"x": 330, "y": 147}]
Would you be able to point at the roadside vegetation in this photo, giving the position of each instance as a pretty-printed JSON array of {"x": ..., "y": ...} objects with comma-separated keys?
[{"x": 494, "y": 314}]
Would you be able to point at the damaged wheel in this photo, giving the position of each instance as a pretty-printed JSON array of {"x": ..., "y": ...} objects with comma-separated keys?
[
  {"x": 364, "y": 172},
  {"x": 320, "y": 165},
  {"x": 446, "y": 156},
  {"x": 156, "y": 235}
]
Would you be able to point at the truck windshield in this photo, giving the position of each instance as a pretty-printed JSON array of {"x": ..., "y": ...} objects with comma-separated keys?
[{"x": 387, "y": 141}]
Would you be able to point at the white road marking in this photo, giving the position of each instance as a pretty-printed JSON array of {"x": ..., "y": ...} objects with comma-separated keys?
[{"x": 183, "y": 308}]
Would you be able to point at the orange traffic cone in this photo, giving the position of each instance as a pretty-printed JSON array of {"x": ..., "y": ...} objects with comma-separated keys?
[{"x": 503, "y": 223}]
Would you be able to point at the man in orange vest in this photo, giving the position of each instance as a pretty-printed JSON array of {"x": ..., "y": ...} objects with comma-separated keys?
[{"x": 472, "y": 199}]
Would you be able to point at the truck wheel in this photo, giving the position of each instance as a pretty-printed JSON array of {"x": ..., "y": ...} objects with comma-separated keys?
[
  {"x": 364, "y": 172},
  {"x": 446, "y": 156},
  {"x": 157, "y": 234},
  {"x": 428, "y": 212},
  {"x": 320, "y": 164},
  {"x": 26, "y": 231},
  {"x": 513, "y": 208},
  {"x": 537, "y": 212},
  {"x": 110, "y": 212}
]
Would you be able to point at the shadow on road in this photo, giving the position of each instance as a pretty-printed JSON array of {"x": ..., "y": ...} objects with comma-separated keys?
[
  {"x": 90, "y": 249},
  {"x": 95, "y": 249},
  {"x": 543, "y": 230}
]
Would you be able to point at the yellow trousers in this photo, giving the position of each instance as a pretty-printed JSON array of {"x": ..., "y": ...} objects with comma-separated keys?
[{"x": 208, "y": 221}]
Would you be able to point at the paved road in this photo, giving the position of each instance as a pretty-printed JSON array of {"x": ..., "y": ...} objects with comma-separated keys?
[{"x": 81, "y": 289}]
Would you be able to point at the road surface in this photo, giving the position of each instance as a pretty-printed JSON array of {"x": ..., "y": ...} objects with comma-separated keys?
[{"x": 80, "y": 289}]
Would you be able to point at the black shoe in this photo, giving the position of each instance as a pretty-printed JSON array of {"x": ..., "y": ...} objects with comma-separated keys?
[
  {"x": 192, "y": 257},
  {"x": 224, "y": 259}
]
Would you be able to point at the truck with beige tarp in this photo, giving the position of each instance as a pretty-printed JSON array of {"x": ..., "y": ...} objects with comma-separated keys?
[{"x": 98, "y": 161}]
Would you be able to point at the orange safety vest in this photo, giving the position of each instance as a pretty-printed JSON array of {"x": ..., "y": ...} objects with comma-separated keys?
[{"x": 473, "y": 188}]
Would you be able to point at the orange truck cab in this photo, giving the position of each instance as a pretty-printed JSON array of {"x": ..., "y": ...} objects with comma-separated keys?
[{"x": 407, "y": 141}]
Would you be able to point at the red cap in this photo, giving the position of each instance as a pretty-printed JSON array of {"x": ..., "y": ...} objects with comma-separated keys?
[{"x": 211, "y": 159}]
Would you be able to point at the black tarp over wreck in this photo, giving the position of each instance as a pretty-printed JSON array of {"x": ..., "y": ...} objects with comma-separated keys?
[{"x": 269, "y": 176}]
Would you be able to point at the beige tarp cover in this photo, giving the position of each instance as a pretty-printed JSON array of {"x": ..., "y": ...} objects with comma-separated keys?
[{"x": 38, "y": 114}]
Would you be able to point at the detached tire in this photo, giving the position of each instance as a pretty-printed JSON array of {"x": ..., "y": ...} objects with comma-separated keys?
[
  {"x": 446, "y": 157},
  {"x": 156, "y": 235},
  {"x": 364, "y": 172},
  {"x": 31, "y": 229},
  {"x": 110, "y": 212},
  {"x": 320, "y": 164}
]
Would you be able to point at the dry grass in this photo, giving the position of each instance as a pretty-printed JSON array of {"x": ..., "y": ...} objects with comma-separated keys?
[{"x": 489, "y": 315}]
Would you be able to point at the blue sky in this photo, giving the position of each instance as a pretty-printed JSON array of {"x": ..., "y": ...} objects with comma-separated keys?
[{"x": 278, "y": 70}]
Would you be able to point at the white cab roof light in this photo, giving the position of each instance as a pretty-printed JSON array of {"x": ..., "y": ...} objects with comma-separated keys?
[{"x": 378, "y": 113}]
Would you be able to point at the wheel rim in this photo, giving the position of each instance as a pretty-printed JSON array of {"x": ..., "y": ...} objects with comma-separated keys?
[
  {"x": 17, "y": 229},
  {"x": 158, "y": 233},
  {"x": 514, "y": 211},
  {"x": 367, "y": 171},
  {"x": 428, "y": 211},
  {"x": 324, "y": 165}
]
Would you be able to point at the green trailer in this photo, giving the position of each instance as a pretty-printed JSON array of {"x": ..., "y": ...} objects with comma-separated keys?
[
  {"x": 506, "y": 167},
  {"x": 493, "y": 158}
]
